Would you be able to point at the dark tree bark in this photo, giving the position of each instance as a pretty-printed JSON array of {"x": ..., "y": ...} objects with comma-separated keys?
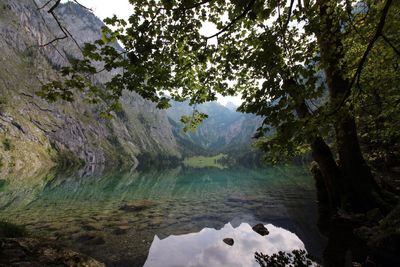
[
  {"x": 361, "y": 192},
  {"x": 323, "y": 156},
  {"x": 327, "y": 173}
]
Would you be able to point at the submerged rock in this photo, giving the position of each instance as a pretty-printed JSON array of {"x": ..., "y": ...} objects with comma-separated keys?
[
  {"x": 88, "y": 227},
  {"x": 383, "y": 238},
  {"x": 119, "y": 231},
  {"x": 138, "y": 205},
  {"x": 374, "y": 216},
  {"x": 156, "y": 221},
  {"x": 33, "y": 252},
  {"x": 229, "y": 241},
  {"x": 260, "y": 229},
  {"x": 90, "y": 239},
  {"x": 242, "y": 200}
]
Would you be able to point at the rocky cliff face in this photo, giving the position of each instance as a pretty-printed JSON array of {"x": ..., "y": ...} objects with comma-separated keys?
[{"x": 35, "y": 134}]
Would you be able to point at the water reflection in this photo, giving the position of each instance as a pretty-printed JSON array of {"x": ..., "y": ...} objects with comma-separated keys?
[
  {"x": 83, "y": 210},
  {"x": 206, "y": 248}
]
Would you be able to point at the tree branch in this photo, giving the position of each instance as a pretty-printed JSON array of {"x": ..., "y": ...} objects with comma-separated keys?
[
  {"x": 378, "y": 33},
  {"x": 54, "y": 6},
  {"x": 79, "y": 4},
  {"x": 73, "y": 39},
  {"x": 300, "y": 5},
  {"x": 390, "y": 44},
  {"x": 285, "y": 27},
  {"x": 48, "y": 2},
  {"x": 357, "y": 75},
  {"x": 230, "y": 24},
  {"x": 44, "y": 21},
  {"x": 289, "y": 15},
  {"x": 182, "y": 7},
  {"x": 195, "y": 5},
  {"x": 62, "y": 28}
]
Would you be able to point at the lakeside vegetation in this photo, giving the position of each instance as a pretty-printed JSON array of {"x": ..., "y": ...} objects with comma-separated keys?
[{"x": 205, "y": 162}]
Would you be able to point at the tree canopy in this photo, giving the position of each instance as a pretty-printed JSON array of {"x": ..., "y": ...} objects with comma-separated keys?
[{"x": 268, "y": 51}]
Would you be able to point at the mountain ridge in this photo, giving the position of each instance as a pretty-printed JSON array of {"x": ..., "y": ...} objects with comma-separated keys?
[{"x": 223, "y": 129}]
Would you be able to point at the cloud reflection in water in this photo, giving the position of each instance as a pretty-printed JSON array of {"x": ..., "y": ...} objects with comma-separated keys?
[{"x": 206, "y": 248}]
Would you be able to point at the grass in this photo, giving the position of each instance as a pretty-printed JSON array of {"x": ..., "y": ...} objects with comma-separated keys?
[
  {"x": 7, "y": 144},
  {"x": 10, "y": 230},
  {"x": 2, "y": 184},
  {"x": 205, "y": 162}
]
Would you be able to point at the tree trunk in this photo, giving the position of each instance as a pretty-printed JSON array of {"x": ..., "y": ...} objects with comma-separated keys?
[
  {"x": 327, "y": 173},
  {"x": 322, "y": 155},
  {"x": 360, "y": 187}
]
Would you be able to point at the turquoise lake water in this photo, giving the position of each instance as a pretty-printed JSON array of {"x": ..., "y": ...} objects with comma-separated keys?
[{"x": 175, "y": 217}]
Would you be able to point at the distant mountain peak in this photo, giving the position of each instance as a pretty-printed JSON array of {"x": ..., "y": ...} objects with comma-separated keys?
[{"x": 231, "y": 106}]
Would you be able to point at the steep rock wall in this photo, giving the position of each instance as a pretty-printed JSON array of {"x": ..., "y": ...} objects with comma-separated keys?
[{"x": 35, "y": 134}]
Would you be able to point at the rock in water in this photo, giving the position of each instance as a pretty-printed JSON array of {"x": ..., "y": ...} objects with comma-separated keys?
[
  {"x": 138, "y": 205},
  {"x": 260, "y": 229},
  {"x": 90, "y": 239},
  {"x": 229, "y": 241},
  {"x": 119, "y": 231}
]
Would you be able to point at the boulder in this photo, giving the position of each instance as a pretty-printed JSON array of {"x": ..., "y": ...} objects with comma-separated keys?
[
  {"x": 228, "y": 241},
  {"x": 260, "y": 229}
]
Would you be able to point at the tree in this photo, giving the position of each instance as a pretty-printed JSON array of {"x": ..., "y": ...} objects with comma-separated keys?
[
  {"x": 288, "y": 60},
  {"x": 377, "y": 105}
]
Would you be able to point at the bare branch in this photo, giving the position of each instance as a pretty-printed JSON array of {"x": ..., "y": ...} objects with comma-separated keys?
[
  {"x": 44, "y": 21},
  {"x": 61, "y": 28},
  {"x": 82, "y": 5},
  {"x": 73, "y": 39},
  {"x": 54, "y": 40},
  {"x": 54, "y": 6}
]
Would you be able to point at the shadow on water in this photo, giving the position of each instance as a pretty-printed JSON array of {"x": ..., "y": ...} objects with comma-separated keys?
[{"x": 119, "y": 217}]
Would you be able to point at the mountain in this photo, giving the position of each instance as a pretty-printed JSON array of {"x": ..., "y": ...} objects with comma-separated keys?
[
  {"x": 223, "y": 130},
  {"x": 231, "y": 106},
  {"x": 34, "y": 133}
]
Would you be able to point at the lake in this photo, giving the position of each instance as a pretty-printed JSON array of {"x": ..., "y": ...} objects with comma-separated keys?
[{"x": 175, "y": 217}]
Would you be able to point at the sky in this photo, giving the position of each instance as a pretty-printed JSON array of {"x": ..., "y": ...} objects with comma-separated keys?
[{"x": 122, "y": 8}]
